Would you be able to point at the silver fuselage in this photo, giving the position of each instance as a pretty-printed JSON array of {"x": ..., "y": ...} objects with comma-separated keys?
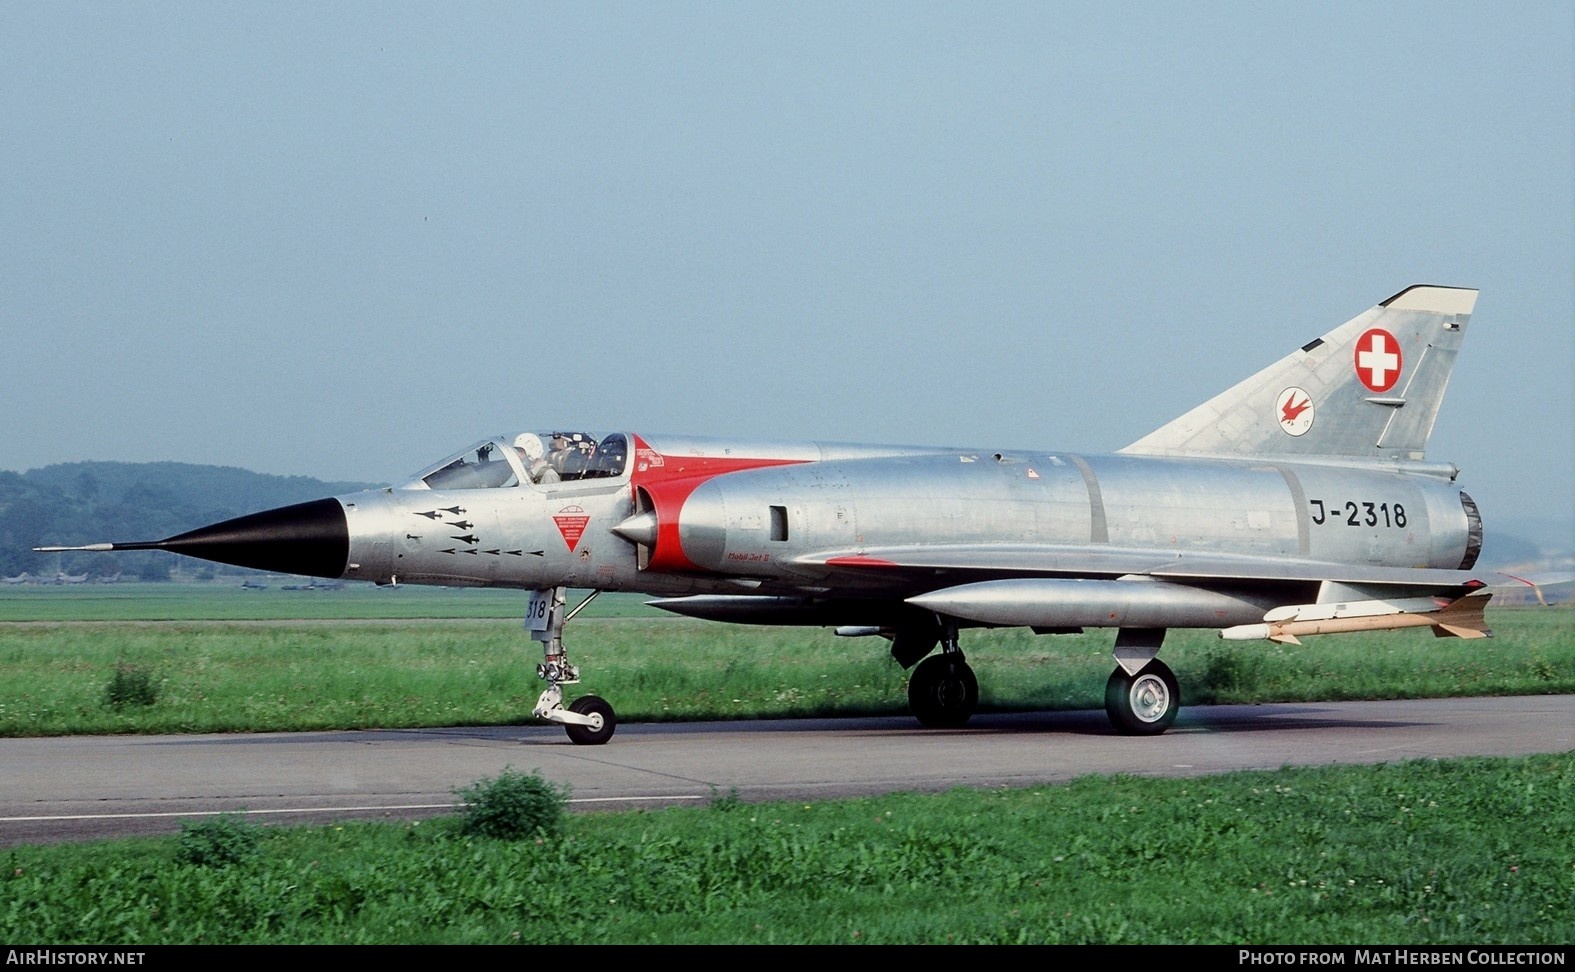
[{"x": 742, "y": 518}]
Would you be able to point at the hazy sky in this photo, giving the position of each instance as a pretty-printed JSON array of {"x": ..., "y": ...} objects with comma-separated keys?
[{"x": 346, "y": 239}]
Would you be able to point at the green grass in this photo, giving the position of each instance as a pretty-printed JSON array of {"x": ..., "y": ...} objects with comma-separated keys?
[
  {"x": 1466, "y": 851},
  {"x": 228, "y": 602},
  {"x": 220, "y": 676},
  {"x": 1454, "y": 852}
]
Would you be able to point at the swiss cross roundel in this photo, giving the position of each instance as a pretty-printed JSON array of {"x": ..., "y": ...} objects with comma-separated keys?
[{"x": 1378, "y": 359}]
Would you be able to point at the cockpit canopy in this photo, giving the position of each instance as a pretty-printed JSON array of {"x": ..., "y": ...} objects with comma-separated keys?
[{"x": 537, "y": 458}]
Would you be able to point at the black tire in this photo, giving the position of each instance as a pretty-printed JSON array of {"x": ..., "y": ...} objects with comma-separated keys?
[
  {"x": 593, "y": 706},
  {"x": 943, "y": 692},
  {"x": 1144, "y": 704}
]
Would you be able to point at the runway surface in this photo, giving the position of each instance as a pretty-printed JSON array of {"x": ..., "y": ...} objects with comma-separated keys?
[{"x": 75, "y": 788}]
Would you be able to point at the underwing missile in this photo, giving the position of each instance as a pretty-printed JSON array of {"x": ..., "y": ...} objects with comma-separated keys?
[{"x": 1460, "y": 618}]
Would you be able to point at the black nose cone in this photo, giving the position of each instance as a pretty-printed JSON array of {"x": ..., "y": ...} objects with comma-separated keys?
[{"x": 307, "y": 538}]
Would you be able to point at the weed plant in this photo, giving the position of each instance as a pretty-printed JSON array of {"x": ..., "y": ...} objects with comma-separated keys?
[
  {"x": 131, "y": 685},
  {"x": 514, "y": 806},
  {"x": 218, "y": 842},
  {"x": 1475, "y": 851}
]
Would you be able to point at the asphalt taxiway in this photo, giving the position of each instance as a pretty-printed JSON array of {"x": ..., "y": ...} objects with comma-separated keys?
[{"x": 76, "y": 787}]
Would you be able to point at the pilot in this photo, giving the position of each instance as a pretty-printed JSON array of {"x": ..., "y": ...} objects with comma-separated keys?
[{"x": 528, "y": 445}]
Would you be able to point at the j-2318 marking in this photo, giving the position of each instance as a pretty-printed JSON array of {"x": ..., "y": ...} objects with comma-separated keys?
[{"x": 1360, "y": 514}]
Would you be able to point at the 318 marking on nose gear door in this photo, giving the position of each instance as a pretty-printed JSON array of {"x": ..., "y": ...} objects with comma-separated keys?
[{"x": 538, "y": 610}]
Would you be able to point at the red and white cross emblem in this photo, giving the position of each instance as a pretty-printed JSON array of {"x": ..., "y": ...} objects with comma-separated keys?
[{"x": 1378, "y": 359}]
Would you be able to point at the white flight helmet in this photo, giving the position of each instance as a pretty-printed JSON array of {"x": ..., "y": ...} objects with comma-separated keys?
[{"x": 529, "y": 444}]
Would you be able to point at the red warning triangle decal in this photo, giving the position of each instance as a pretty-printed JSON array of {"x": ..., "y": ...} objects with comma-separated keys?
[{"x": 571, "y": 522}]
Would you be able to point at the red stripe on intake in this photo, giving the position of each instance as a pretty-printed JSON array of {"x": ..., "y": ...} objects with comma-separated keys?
[{"x": 669, "y": 481}]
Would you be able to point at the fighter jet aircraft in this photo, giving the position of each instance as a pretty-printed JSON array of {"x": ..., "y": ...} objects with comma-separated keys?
[{"x": 1298, "y": 502}]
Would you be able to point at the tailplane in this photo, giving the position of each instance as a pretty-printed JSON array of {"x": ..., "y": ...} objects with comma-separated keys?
[{"x": 1368, "y": 389}]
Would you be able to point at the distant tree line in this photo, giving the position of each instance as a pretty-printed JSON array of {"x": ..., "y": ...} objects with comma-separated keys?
[{"x": 91, "y": 502}]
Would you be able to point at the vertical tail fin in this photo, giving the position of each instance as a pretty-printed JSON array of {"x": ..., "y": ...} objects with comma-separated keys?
[{"x": 1370, "y": 388}]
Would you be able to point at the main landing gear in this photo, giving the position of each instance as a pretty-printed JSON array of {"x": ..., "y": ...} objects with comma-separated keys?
[
  {"x": 589, "y": 720},
  {"x": 942, "y": 691},
  {"x": 1142, "y": 696}
]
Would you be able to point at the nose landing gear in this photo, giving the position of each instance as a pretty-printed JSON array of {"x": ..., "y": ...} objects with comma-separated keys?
[{"x": 589, "y": 720}]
